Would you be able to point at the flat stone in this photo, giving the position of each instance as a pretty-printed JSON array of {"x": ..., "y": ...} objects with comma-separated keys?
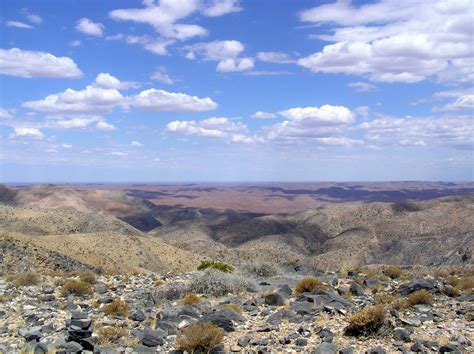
[{"x": 326, "y": 348}]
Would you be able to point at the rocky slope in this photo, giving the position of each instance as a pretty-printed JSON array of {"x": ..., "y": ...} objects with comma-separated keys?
[
  {"x": 435, "y": 232},
  {"x": 151, "y": 313}
]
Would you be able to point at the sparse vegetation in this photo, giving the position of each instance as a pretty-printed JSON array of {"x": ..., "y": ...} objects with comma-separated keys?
[
  {"x": 158, "y": 282},
  {"x": 308, "y": 285},
  {"x": 234, "y": 307},
  {"x": 23, "y": 279},
  {"x": 111, "y": 335},
  {"x": 191, "y": 299},
  {"x": 261, "y": 268},
  {"x": 117, "y": 308},
  {"x": 199, "y": 337},
  {"x": 452, "y": 291},
  {"x": 366, "y": 321},
  {"x": 216, "y": 283},
  {"x": 88, "y": 277},
  {"x": 419, "y": 297},
  {"x": 76, "y": 287},
  {"x": 220, "y": 266},
  {"x": 394, "y": 272}
]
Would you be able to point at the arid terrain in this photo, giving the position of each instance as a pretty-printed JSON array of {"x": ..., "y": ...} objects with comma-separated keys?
[{"x": 140, "y": 268}]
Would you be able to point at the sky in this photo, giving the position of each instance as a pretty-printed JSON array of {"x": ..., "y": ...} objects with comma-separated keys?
[{"x": 229, "y": 90}]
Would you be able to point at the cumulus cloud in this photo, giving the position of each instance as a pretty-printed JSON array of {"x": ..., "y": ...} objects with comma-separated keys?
[
  {"x": 360, "y": 86},
  {"x": 162, "y": 76},
  {"x": 107, "y": 81},
  {"x": 29, "y": 64},
  {"x": 27, "y": 133},
  {"x": 75, "y": 43},
  {"x": 386, "y": 42},
  {"x": 136, "y": 143},
  {"x": 119, "y": 153},
  {"x": 454, "y": 132},
  {"x": 34, "y": 18},
  {"x": 92, "y": 99},
  {"x": 464, "y": 102},
  {"x": 164, "y": 101},
  {"x": 214, "y": 8},
  {"x": 225, "y": 52},
  {"x": 156, "y": 46},
  {"x": 275, "y": 57},
  {"x": 18, "y": 24},
  {"x": 214, "y": 127},
  {"x": 104, "y": 126},
  {"x": 324, "y": 115},
  {"x": 263, "y": 115},
  {"x": 86, "y": 26}
]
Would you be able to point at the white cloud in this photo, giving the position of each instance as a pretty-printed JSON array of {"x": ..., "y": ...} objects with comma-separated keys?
[
  {"x": 362, "y": 86},
  {"x": 162, "y": 76},
  {"x": 333, "y": 141},
  {"x": 136, "y": 143},
  {"x": 33, "y": 18},
  {"x": 275, "y": 57},
  {"x": 85, "y": 25},
  {"x": 5, "y": 114},
  {"x": 263, "y": 115},
  {"x": 89, "y": 100},
  {"x": 163, "y": 16},
  {"x": 107, "y": 81},
  {"x": 454, "y": 132},
  {"x": 104, "y": 126},
  {"x": 233, "y": 65},
  {"x": 28, "y": 64},
  {"x": 27, "y": 133},
  {"x": 74, "y": 123},
  {"x": 75, "y": 43},
  {"x": 215, "y": 8},
  {"x": 386, "y": 42},
  {"x": 164, "y": 101},
  {"x": 66, "y": 146},
  {"x": 214, "y": 127},
  {"x": 18, "y": 24},
  {"x": 119, "y": 153},
  {"x": 324, "y": 115},
  {"x": 154, "y": 45},
  {"x": 226, "y": 53},
  {"x": 464, "y": 102}
]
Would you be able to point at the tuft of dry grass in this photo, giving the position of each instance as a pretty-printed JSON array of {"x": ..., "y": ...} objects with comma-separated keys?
[
  {"x": 76, "y": 287},
  {"x": 199, "y": 336},
  {"x": 3, "y": 298},
  {"x": 366, "y": 321},
  {"x": 190, "y": 299},
  {"x": 88, "y": 277},
  {"x": 452, "y": 291},
  {"x": 394, "y": 272},
  {"x": 158, "y": 282},
  {"x": 308, "y": 285},
  {"x": 234, "y": 307},
  {"x": 386, "y": 298},
  {"x": 111, "y": 335},
  {"x": 116, "y": 308},
  {"x": 419, "y": 297},
  {"x": 23, "y": 279}
]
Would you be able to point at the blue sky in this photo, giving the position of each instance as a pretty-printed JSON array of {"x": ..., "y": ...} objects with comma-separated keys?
[{"x": 228, "y": 90}]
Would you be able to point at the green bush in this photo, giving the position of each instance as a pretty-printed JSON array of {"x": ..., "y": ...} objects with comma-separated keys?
[{"x": 220, "y": 266}]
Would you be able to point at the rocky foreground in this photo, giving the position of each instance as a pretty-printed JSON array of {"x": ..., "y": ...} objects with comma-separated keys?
[{"x": 353, "y": 311}]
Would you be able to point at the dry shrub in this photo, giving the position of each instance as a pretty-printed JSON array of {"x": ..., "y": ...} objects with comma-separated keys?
[
  {"x": 234, "y": 307},
  {"x": 220, "y": 266},
  {"x": 261, "y": 268},
  {"x": 76, "y": 287},
  {"x": 366, "y": 321},
  {"x": 24, "y": 279},
  {"x": 111, "y": 335},
  {"x": 394, "y": 272},
  {"x": 467, "y": 283},
  {"x": 190, "y": 299},
  {"x": 217, "y": 283},
  {"x": 88, "y": 277},
  {"x": 386, "y": 298},
  {"x": 308, "y": 285},
  {"x": 419, "y": 297},
  {"x": 452, "y": 291},
  {"x": 117, "y": 308},
  {"x": 3, "y": 298},
  {"x": 158, "y": 282},
  {"x": 199, "y": 336}
]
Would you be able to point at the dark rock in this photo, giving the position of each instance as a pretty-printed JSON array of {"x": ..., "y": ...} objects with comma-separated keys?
[
  {"x": 39, "y": 348},
  {"x": 347, "y": 350},
  {"x": 275, "y": 319},
  {"x": 326, "y": 348},
  {"x": 274, "y": 299},
  {"x": 82, "y": 324},
  {"x": 304, "y": 308},
  {"x": 402, "y": 334},
  {"x": 284, "y": 340},
  {"x": 356, "y": 289},
  {"x": 153, "y": 338},
  {"x": 326, "y": 335},
  {"x": 69, "y": 347},
  {"x": 219, "y": 320},
  {"x": 243, "y": 341},
  {"x": 89, "y": 343},
  {"x": 100, "y": 288},
  {"x": 47, "y": 297},
  {"x": 106, "y": 299},
  {"x": 417, "y": 346},
  {"x": 285, "y": 289},
  {"x": 231, "y": 314},
  {"x": 415, "y": 285},
  {"x": 78, "y": 315},
  {"x": 301, "y": 342},
  {"x": 142, "y": 349},
  {"x": 137, "y": 315},
  {"x": 376, "y": 350},
  {"x": 265, "y": 328},
  {"x": 449, "y": 348},
  {"x": 76, "y": 333},
  {"x": 170, "y": 327}
]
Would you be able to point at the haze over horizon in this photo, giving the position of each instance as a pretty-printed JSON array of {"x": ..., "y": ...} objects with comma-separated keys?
[{"x": 236, "y": 91}]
